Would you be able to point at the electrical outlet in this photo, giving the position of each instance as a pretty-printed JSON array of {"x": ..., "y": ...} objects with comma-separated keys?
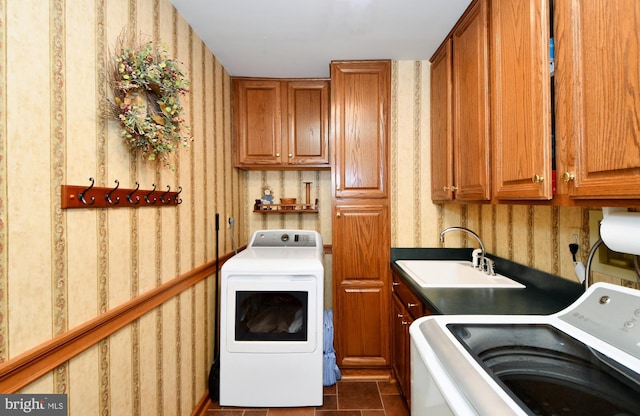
[{"x": 575, "y": 235}]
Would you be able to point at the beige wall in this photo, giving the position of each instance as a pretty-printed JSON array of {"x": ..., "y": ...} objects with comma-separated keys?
[
  {"x": 61, "y": 268},
  {"x": 536, "y": 236},
  {"x": 290, "y": 184}
]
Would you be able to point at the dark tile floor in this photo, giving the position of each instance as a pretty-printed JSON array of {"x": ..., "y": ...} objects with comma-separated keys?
[{"x": 347, "y": 398}]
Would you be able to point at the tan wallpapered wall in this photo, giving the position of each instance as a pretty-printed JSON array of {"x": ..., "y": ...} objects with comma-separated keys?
[
  {"x": 536, "y": 236},
  {"x": 60, "y": 268},
  {"x": 291, "y": 184}
]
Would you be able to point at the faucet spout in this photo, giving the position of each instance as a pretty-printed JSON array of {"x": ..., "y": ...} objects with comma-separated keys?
[
  {"x": 466, "y": 230},
  {"x": 587, "y": 272}
]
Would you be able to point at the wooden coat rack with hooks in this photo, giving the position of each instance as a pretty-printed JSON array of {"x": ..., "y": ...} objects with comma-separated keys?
[{"x": 75, "y": 196}]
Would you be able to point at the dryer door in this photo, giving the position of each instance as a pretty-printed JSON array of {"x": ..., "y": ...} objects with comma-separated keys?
[{"x": 271, "y": 314}]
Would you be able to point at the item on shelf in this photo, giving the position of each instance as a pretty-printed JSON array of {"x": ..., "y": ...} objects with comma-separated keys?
[
  {"x": 288, "y": 203},
  {"x": 308, "y": 195},
  {"x": 267, "y": 197},
  {"x": 292, "y": 208}
]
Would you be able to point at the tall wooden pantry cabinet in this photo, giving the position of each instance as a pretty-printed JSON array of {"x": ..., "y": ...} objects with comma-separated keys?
[{"x": 360, "y": 110}]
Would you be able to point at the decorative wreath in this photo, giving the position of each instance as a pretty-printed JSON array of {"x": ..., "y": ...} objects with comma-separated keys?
[{"x": 147, "y": 85}]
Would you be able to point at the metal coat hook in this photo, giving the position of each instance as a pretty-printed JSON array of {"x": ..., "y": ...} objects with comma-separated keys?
[
  {"x": 164, "y": 195},
  {"x": 80, "y": 196},
  {"x": 130, "y": 195},
  {"x": 108, "y": 195},
  {"x": 176, "y": 199},
  {"x": 146, "y": 197},
  {"x": 83, "y": 193}
]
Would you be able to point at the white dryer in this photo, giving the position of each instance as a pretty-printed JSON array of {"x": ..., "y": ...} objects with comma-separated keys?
[{"x": 271, "y": 329}]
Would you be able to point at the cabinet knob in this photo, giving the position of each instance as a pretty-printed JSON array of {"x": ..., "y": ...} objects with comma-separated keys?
[
  {"x": 566, "y": 177},
  {"x": 395, "y": 284},
  {"x": 411, "y": 305},
  {"x": 338, "y": 215},
  {"x": 450, "y": 188},
  {"x": 405, "y": 323},
  {"x": 400, "y": 315},
  {"x": 290, "y": 155},
  {"x": 277, "y": 154},
  {"x": 537, "y": 179}
]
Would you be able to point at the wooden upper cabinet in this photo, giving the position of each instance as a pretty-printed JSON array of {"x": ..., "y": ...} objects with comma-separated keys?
[
  {"x": 360, "y": 119},
  {"x": 308, "y": 122},
  {"x": 442, "y": 124},
  {"x": 598, "y": 91},
  {"x": 471, "y": 140},
  {"x": 257, "y": 115},
  {"x": 460, "y": 141},
  {"x": 521, "y": 99},
  {"x": 281, "y": 124}
]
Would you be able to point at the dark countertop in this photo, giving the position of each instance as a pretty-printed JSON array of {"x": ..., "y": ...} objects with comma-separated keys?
[{"x": 544, "y": 293}]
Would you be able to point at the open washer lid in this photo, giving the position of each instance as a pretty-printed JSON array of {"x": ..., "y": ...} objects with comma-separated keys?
[
  {"x": 488, "y": 358},
  {"x": 549, "y": 372}
]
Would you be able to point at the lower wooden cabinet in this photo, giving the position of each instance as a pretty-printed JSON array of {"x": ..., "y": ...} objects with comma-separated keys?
[
  {"x": 401, "y": 319},
  {"x": 405, "y": 308},
  {"x": 361, "y": 286}
]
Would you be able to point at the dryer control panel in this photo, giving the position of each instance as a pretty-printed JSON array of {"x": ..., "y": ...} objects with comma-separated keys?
[{"x": 285, "y": 238}]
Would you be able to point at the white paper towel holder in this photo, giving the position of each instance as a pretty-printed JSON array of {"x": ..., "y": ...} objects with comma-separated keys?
[
  {"x": 612, "y": 216},
  {"x": 617, "y": 230}
]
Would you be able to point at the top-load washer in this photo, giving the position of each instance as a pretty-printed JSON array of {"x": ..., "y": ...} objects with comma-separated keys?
[
  {"x": 583, "y": 360},
  {"x": 271, "y": 321}
]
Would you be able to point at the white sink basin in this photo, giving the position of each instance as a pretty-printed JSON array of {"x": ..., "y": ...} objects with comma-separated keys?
[{"x": 452, "y": 274}]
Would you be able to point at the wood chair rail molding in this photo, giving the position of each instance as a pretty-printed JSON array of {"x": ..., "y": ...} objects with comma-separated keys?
[{"x": 27, "y": 367}]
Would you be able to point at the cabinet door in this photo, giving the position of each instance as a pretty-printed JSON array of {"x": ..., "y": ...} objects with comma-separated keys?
[
  {"x": 360, "y": 121},
  {"x": 308, "y": 122},
  {"x": 471, "y": 141},
  {"x": 401, "y": 362},
  {"x": 257, "y": 122},
  {"x": 441, "y": 125},
  {"x": 361, "y": 241},
  {"x": 521, "y": 99},
  {"x": 599, "y": 63}
]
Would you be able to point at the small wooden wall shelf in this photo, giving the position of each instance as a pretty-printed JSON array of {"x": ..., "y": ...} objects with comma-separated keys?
[
  {"x": 74, "y": 196},
  {"x": 285, "y": 208}
]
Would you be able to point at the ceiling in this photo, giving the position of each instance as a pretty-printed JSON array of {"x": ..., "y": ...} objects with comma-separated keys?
[{"x": 299, "y": 38}]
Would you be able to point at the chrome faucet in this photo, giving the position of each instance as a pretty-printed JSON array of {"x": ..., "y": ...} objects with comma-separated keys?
[{"x": 487, "y": 265}]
